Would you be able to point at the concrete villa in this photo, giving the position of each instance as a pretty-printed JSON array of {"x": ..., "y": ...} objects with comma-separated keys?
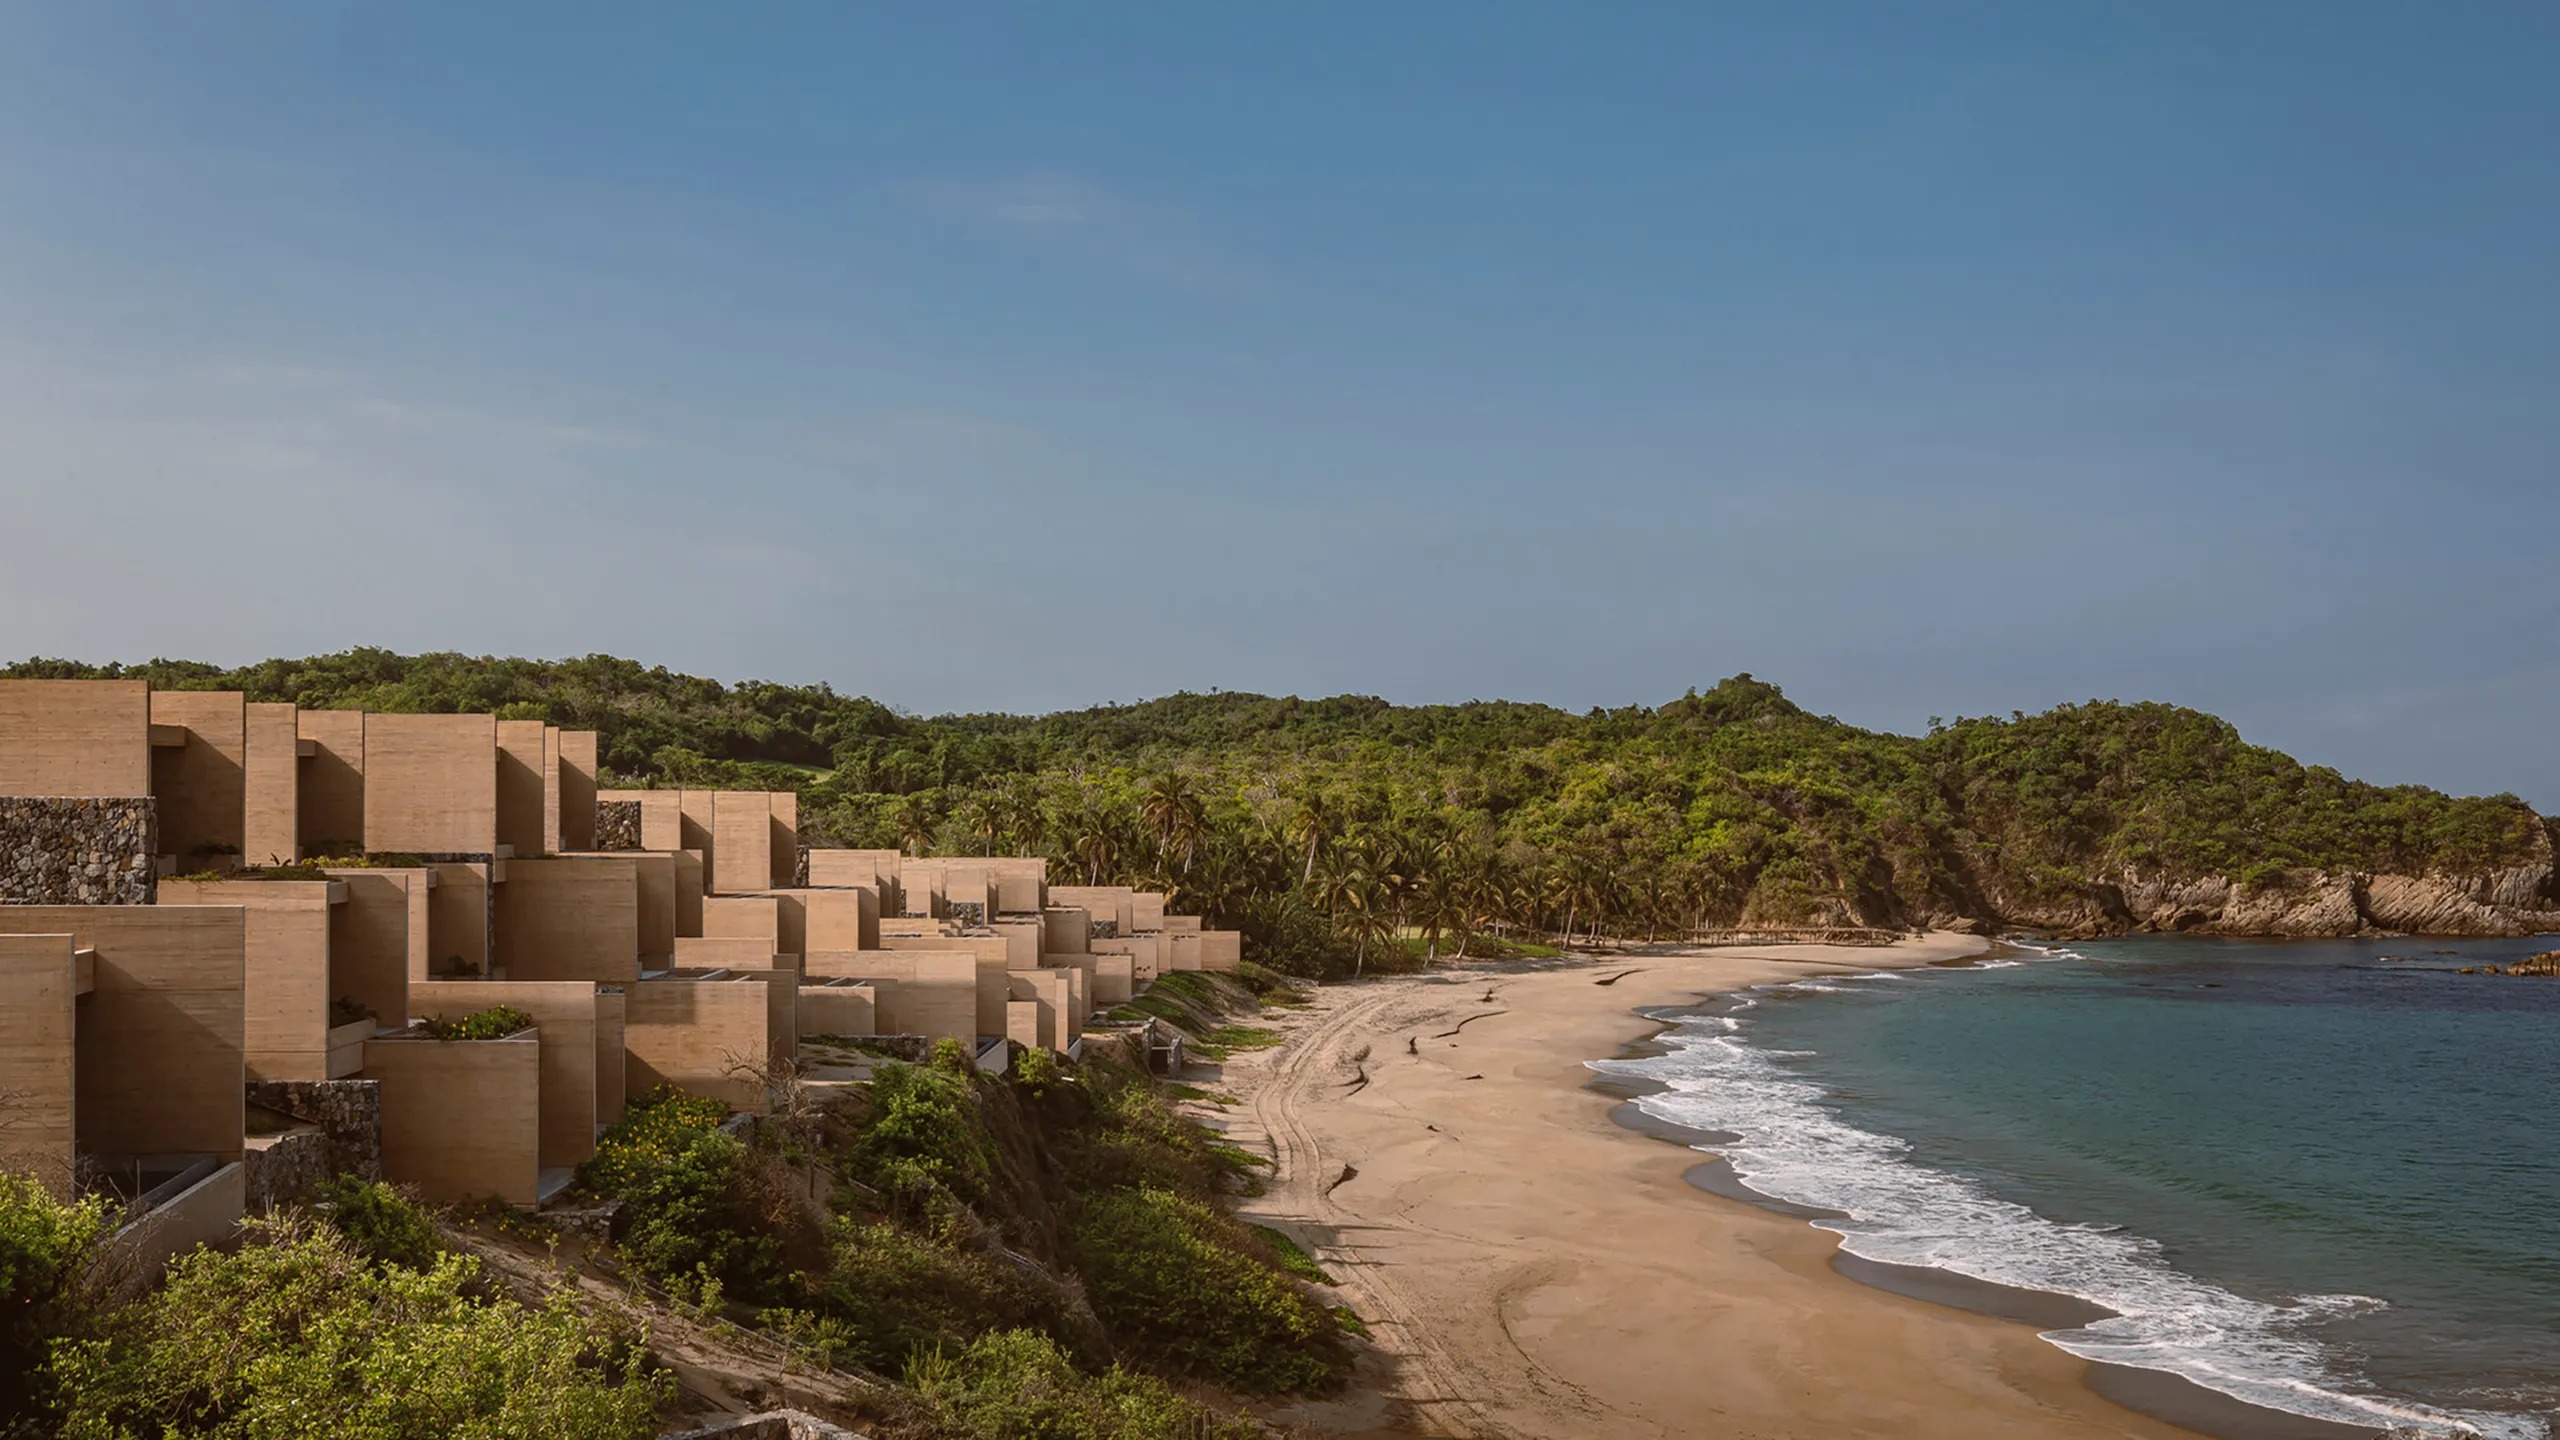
[{"x": 232, "y": 933}]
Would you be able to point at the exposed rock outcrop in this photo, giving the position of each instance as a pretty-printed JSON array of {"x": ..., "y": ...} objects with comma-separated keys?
[{"x": 2304, "y": 905}]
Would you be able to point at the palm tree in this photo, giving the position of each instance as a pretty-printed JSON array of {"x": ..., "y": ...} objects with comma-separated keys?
[
  {"x": 982, "y": 812},
  {"x": 1310, "y": 826},
  {"x": 915, "y": 824},
  {"x": 1095, "y": 848},
  {"x": 1172, "y": 812}
]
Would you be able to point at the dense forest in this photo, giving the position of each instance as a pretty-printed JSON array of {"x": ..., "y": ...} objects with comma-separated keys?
[{"x": 1328, "y": 827}]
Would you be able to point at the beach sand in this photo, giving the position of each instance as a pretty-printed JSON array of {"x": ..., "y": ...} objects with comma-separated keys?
[{"x": 1527, "y": 1267}]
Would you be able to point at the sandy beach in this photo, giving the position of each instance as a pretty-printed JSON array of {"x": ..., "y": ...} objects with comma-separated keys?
[{"x": 1528, "y": 1267}]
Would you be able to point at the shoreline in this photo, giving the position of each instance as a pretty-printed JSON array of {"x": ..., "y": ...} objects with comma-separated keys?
[{"x": 1524, "y": 1270}]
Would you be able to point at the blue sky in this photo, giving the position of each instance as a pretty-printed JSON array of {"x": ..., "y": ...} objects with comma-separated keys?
[{"x": 1925, "y": 359}]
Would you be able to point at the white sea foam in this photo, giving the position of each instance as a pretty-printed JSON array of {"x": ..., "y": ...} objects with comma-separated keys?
[{"x": 1797, "y": 1149}]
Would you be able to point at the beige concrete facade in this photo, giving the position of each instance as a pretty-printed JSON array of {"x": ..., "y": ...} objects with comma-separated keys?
[
  {"x": 389, "y": 913},
  {"x": 570, "y": 919},
  {"x": 1145, "y": 915},
  {"x": 271, "y": 773},
  {"x": 572, "y": 1102},
  {"x": 752, "y": 916},
  {"x": 286, "y": 979},
  {"x": 854, "y": 868},
  {"x": 696, "y": 1035},
  {"x": 1111, "y": 906},
  {"x": 612, "y": 1088},
  {"x": 431, "y": 784},
  {"x": 1114, "y": 980},
  {"x": 461, "y": 1119},
  {"x": 578, "y": 791},
  {"x": 458, "y": 921},
  {"x": 201, "y": 780},
  {"x": 782, "y": 1007},
  {"x": 528, "y": 788},
  {"x": 741, "y": 842},
  {"x": 86, "y": 738},
  {"x": 331, "y": 787},
  {"x": 1221, "y": 950},
  {"x": 1048, "y": 988},
  {"x": 1070, "y": 931},
  {"x": 838, "y": 1008},
  {"x": 160, "y": 1045},
  {"x": 724, "y": 952},
  {"x": 39, "y": 1057},
  {"x": 656, "y": 875},
  {"x": 933, "y": 993}
]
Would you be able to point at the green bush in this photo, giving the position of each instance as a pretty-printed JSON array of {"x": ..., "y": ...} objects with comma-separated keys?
[
  {"x": 696, "y": 1217},
  {"x": 922, "y": 1137},
  {"x": 651, "y": 1131},
  {"x": 1176, "y": 1280},
  {"x": 380, "y": 1222},
  {"x": 1035, "y": 1069},
  {"x": 48, "y": 1249},
  {"x": 495, "y": 1023},
  {"x": 899, "y": 1294},
  {"x": 1018, "y": 1385},
  {"x": 296, "y": 1336}
]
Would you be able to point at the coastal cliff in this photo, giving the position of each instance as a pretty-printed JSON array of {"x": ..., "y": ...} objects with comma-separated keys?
[{"x": 2310, "y": 905}]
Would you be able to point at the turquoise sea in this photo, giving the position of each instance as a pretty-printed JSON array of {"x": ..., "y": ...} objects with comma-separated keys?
[{"x": 2321, "y": 1177}]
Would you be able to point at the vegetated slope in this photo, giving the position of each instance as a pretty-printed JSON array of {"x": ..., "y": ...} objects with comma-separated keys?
[{"x": 1729, "y": 806}]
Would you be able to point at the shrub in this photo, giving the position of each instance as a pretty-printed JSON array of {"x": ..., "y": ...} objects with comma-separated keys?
[
  {"x": 899, "y": 1294},
  {"x": 921, "y": 1138},
  {"x": 495, "y": 1023},
  {"x": 296, "y": 1336},
  {"x": 652, "y": 1129},
  {"x": 1035, "y": 1069},
  {"x": 48, "y": 1250},
  {"x": 380, "y": 1222},
  {"x": 695, "y": 1218},
  {"x": 1175, "y": 1280},
  {"x": 1017, "y": 1385}
]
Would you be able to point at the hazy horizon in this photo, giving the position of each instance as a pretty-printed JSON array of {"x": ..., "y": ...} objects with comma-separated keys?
[{"x": 1920, "y": 361}]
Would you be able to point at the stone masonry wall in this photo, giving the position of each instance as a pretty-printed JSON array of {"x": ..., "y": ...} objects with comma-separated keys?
[
  {"x": 349, "y": 1114},
  {"x": 61, "y": 850},
  {"x": 617, "y": 824}
]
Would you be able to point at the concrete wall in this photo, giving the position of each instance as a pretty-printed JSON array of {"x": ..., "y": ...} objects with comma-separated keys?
[
  {"x": 1181, "y": 952},
  {"x": 200, "y": 785},
  {"x": 700, "y": 833},
  {"x": 933, "y": 993},
  {"x": 331, "y": 790},
  {"x": 840, "y": 919},
  {"x": 759, "y": 916},
  {"x": 285, "y": 974},
  {"x": 1111, "y": 906},
  {"x": 160, "y": 1042},
  {"x": 461, "y": 1119},
  {"x": 577, "y": 790},
  {"x": 656, "y": 877},
  {"x": 611, "y": 1087},
  {"x": 39, "y": 1061},
  {"x": 271, "y": 803},
  {"x": 1021, "y": 884},
  {"x": 205, "y": 1213},
  {"x": 564, "y": 1015},
  {"x": 1023, "y": 937},
  {"x": 1146, "y": 913},
  {"x": 688, "y": 1033},
  {"x": 993, "y": 956},
  {"x": 431, "y": 784},
  {"x": 1022, "y": 1023},
  {"x": 1140, "y": 951},
  {"x": 565, "y": 919},
  {"x": 689, "y": 890},
  {"x": 373, "y": 937},
  {"x": 527, "y": 787},
  {"x": 75, "y": 737},
  {"x": 838, "y": 1010},
  {"x": 458, "y": 922},
  {"x": 853, "y": 867},
  {"x": 1114, "y": 980},
  {"x": 784, "y": 811},
  {"x": 1049, "y": 989},
  {"x": 742, "y": 842},
  {"x": 1070, "y": 931},
  {"x": 1221, "y": 950},
  {"x": 723, "y": 952},
  {"x": 782, "y": 1007}
]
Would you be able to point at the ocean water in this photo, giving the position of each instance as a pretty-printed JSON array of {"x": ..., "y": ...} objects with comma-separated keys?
[{"x": 2322, "y": 1177}]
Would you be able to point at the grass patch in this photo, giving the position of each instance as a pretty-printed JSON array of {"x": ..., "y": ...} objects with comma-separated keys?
[
  {"x": 1291, "y": 1256},
  {"x": 1174, "y": 1279},
  {"x": 1180, "y": 1091}
]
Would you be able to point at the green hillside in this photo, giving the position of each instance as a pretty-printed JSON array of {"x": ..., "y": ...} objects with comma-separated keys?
[{"x": 1323, "y": 826}]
